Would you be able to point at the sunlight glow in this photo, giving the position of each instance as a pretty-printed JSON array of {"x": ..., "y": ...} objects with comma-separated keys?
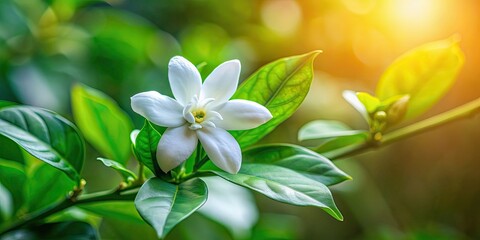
[{"x": 414, "y": 14}]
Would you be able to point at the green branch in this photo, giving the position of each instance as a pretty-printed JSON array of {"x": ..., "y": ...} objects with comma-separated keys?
[{"x": 464, "y": 111}]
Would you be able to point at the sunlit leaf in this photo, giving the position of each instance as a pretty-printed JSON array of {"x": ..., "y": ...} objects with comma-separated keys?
[
  {"x": 425, "y": 73},
  {"x": 45, "y": 187},
  {"x": 146, "y": 147},
  {"x": 370, "y": 102},
  {"x": 299, "y": 159},
  {"x": 12, "y": 177},
  {"x": 58, "y": 230},
  {"x": 163, "y": 205},
  {"x": 45, "y": 135},
  {"x": 284, "y": 185},
  {"x": 122, "y": 170},
  {"x": 325, "y": 129},
  {"x": 102, "y": 122},
  {"x": 280, "y": 86}
]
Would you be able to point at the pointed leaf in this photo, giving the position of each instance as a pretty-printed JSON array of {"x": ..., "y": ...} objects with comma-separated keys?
[
  {"x": 46, "y": 135},
  {"x": 425, "y": 73},
  {"x": 163, "y": 205},
  {"x": 281, "y": 87},
  {"x": 104, "y": 124},
  {"x": 299, "y": 159},
  {"x": 284, "y": 185},
  {"x": 146, "y": 147},
  {"x": 122, "y": 170}
]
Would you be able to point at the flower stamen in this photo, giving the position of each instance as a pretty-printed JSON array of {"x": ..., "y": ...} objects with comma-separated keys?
[{"x": 199, "y": 116}]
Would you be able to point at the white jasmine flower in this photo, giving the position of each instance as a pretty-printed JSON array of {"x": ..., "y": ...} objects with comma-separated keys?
[{"x": 200, "y": 112}]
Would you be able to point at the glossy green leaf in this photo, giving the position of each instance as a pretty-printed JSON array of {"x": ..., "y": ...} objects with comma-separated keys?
[
  {"x": 284, "y": 185},
  {"x": 163, "y": 205},
  {"x": 104, "y": 124},
  {"x": 325, "y": 129},
  {"x": 127, "y": 175},
  {"x": 13, "y": 177},
  {"x": 281, "y": 87},
  {"x": 58, "y": 230},
  {"x": 299, "y": 159},
  {"x": 146, "y": 147},
  {"x": 45, "y": 187},
  {"x": 425, "y": 73},
  {"x": 46, "y": 135}
]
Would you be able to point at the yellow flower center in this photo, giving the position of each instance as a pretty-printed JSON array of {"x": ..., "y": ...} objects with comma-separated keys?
[{"x": 199, "y": 115}]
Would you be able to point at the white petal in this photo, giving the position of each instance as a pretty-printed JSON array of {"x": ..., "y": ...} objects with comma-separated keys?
[
  {"x": 159, "y": 109},
  {"x": 222, "y": 82},
  {"x": 221, "y": 148},
  {"x": 185, "y": 80},
  {"x": 242, "y": 114},
  {"x": 175, "y": 146},
  {"x": 351, "y": 97},
  {"x": 133, "y": 136}
]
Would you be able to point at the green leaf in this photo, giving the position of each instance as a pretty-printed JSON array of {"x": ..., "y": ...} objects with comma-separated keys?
[
  {"x": 325, "y": 129},
  {"x": 284, "y": 185},
  {"x": 58, "y": 230},
  {"x": 102, "y": 122},
  {"x": 7, "y": 206},
  {"x": 425, "y": 73},
  {"x": 122, "y": 170},
  {"x": 299, "y": 159},
  {"x": 4, "y": 104},
  {"x": 46, "y": 135},
  {"x": 13, "y": 177},
  {"x": 281, "y": 87},
  {"x": 163, "y": 205},
  {"x": 45, "y": 187},
  {"x": 124, "y": 210},
  {"x": 146, "y": 147}
]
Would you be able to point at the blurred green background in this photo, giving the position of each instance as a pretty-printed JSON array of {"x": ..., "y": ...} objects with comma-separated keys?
[{"x": 424, "y": 187}]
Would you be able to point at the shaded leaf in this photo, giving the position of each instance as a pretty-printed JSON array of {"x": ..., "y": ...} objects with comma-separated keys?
[
  {"x": 104, "y": 124},
  {"x": 230, "y": 205},
  {"x": 45, "y": 135},
  {"x": 299, "y": 159},
  {"x": 122, "y": 170},
  {"x": 281, "y": 87},
  {"x": 339, "y": 144},
  {"x": 425, "y": 73},
  {"x": 124, "y": 210},
  {"x": 163, "y": 205},
  {"x": 284, "y": 185},
  {"x": 13, "y": 177},
  {"x": 58, "y": 230}
]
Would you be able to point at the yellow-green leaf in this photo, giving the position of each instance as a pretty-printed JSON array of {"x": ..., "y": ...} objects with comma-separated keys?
[{"x": 425, "y": 73}]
